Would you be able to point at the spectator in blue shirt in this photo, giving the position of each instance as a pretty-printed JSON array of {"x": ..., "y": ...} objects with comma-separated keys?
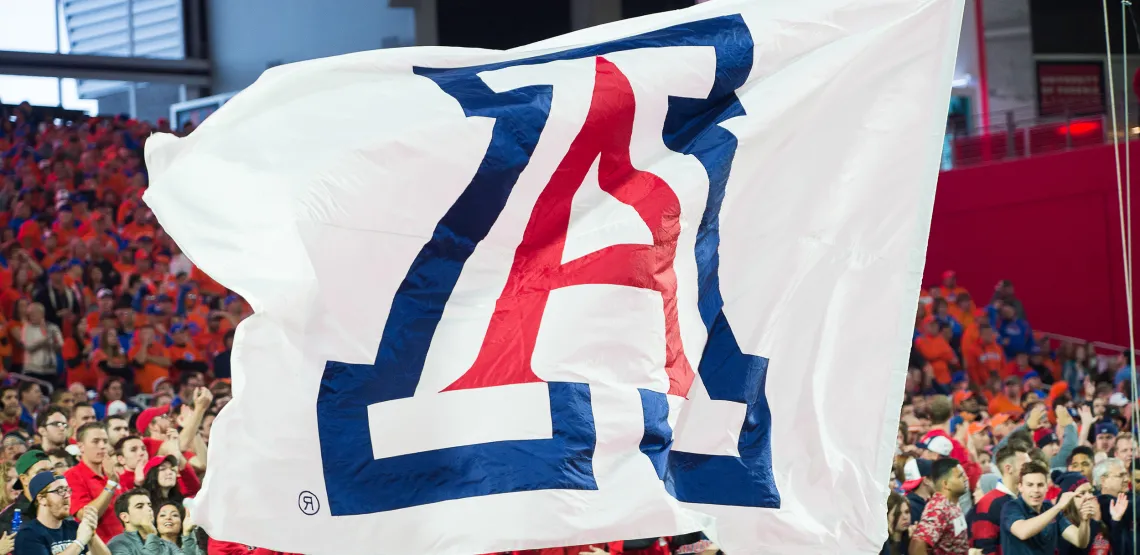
[
  {"x": 1125, "y": 372},
  {"x": 1014, "y": 334},
  {"x": 1030, "y": 525}
]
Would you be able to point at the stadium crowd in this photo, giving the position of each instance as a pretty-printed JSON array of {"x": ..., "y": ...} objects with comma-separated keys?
[
  {"x": 1009, "y": 442},
  {"x": 116, "y": 361}
]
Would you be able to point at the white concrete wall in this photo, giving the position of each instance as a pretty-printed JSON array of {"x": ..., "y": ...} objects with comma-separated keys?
[{"x": 1011, "y": 78}]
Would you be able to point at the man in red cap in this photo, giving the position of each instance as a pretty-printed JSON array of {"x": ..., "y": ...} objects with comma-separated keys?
[
  {"x": 949, "y": 287},
  {"x": 155, "y": 426}
]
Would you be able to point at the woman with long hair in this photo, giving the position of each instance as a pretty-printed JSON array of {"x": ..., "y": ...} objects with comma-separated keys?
[
  {"x": 176, "y": 529},
  {"x": 161, "y": 480},
  {"x": 9, "y": 494},
  {"x": 898, "y": 526}
]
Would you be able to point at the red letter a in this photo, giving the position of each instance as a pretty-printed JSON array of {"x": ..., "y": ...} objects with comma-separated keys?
[{"x": 505, "y": 356}]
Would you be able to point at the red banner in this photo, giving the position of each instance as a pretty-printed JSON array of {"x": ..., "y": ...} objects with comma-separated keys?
[{"x": 1076, "y": 88}]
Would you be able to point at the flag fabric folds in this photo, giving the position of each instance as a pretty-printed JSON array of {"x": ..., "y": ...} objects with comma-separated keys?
[{"x": 644, "y": 279}]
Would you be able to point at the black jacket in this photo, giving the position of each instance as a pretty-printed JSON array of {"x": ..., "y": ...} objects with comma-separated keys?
[{"x": 6, "y": 515}]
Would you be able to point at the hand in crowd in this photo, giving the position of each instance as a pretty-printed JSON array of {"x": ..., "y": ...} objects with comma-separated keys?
[
  {"x": 1087, "y": 418},
  {"x": 1037, "y": 418},
  {"x": 203, "y": 398},
  {"x": 1090, "y": 509},
  {"x": 187, "y": 524},
  {"x": 1063, "y": 416},
  {"x": 87, "y": 525},
  {"x": 7, "y": 543},
  {"x": 1117, "y": 507},
  {"x": 1066, "y": 499},
  {"x": 146, "y": 525}
]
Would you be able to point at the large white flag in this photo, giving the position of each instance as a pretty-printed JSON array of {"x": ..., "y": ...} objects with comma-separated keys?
[{"x": 648, "y": 278}]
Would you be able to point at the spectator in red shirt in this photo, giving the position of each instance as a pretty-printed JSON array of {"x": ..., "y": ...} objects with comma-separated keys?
[
  {"x": 89, "y": 486},
  {"x": 153, "y": 424},
  {"x": 942, "y": 529},
  {"x": 131, "y": 454}
]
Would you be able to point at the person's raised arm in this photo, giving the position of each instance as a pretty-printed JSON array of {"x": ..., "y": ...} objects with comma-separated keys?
[
  {"x": 202, "y": 401},
  {"x": 1032, "y": 422},
  {"x": 1069, "y": 437},
  {"x": 1087, "y": 422},
  {"x": 1027, "y": 528}
]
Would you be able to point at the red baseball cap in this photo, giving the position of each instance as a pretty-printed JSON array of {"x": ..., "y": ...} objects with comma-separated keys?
[
  {"x": 948, "y": 274},
  {"x": 155, "y": 461},
  {"x": 147, "y": 416}
]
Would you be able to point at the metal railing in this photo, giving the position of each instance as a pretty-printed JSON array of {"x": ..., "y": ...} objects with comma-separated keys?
[
  {"x": 46, "y": 386},
  {"x": 1019, "y": 133},
  {"x": 1098, "y": 345}
]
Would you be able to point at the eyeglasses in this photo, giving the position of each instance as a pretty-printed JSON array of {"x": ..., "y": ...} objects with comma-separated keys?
[
  {"x": 56, "y": 424},
  {"x": 62, "y": 491}
]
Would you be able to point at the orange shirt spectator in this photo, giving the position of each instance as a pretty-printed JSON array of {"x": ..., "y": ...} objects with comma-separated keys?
[
  {"x": 148, "y": 351},
  {"x": 937, "y": 351},
  {"x": 1009, "y": 400},
  {"x": 984, "y": 358},
  {"x": 949, "y": 289}
]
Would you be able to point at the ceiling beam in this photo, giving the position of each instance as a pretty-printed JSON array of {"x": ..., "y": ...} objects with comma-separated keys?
[{"x": 113, "y": 68}]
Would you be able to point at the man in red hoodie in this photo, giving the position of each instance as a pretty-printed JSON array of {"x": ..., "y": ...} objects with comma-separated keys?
[{"x": 941, "y": 409}]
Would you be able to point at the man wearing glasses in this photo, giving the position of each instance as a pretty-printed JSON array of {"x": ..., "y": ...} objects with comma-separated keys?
[
  {"x": 51, "y": 531},
  {"x": 1111, "y": 479},
  {"x": 53, "y": 429}
]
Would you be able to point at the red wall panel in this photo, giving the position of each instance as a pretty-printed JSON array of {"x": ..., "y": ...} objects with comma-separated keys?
[{"x": 1048, "y": 223}]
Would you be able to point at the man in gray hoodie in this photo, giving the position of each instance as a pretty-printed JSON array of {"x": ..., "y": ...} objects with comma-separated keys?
[{"x": 140, "y": 536}]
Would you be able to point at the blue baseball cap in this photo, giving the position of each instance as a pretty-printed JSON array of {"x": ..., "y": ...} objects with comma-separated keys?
[
  {"x": 1105, "y": 428},
  {"x": 40, "y": 482}
]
